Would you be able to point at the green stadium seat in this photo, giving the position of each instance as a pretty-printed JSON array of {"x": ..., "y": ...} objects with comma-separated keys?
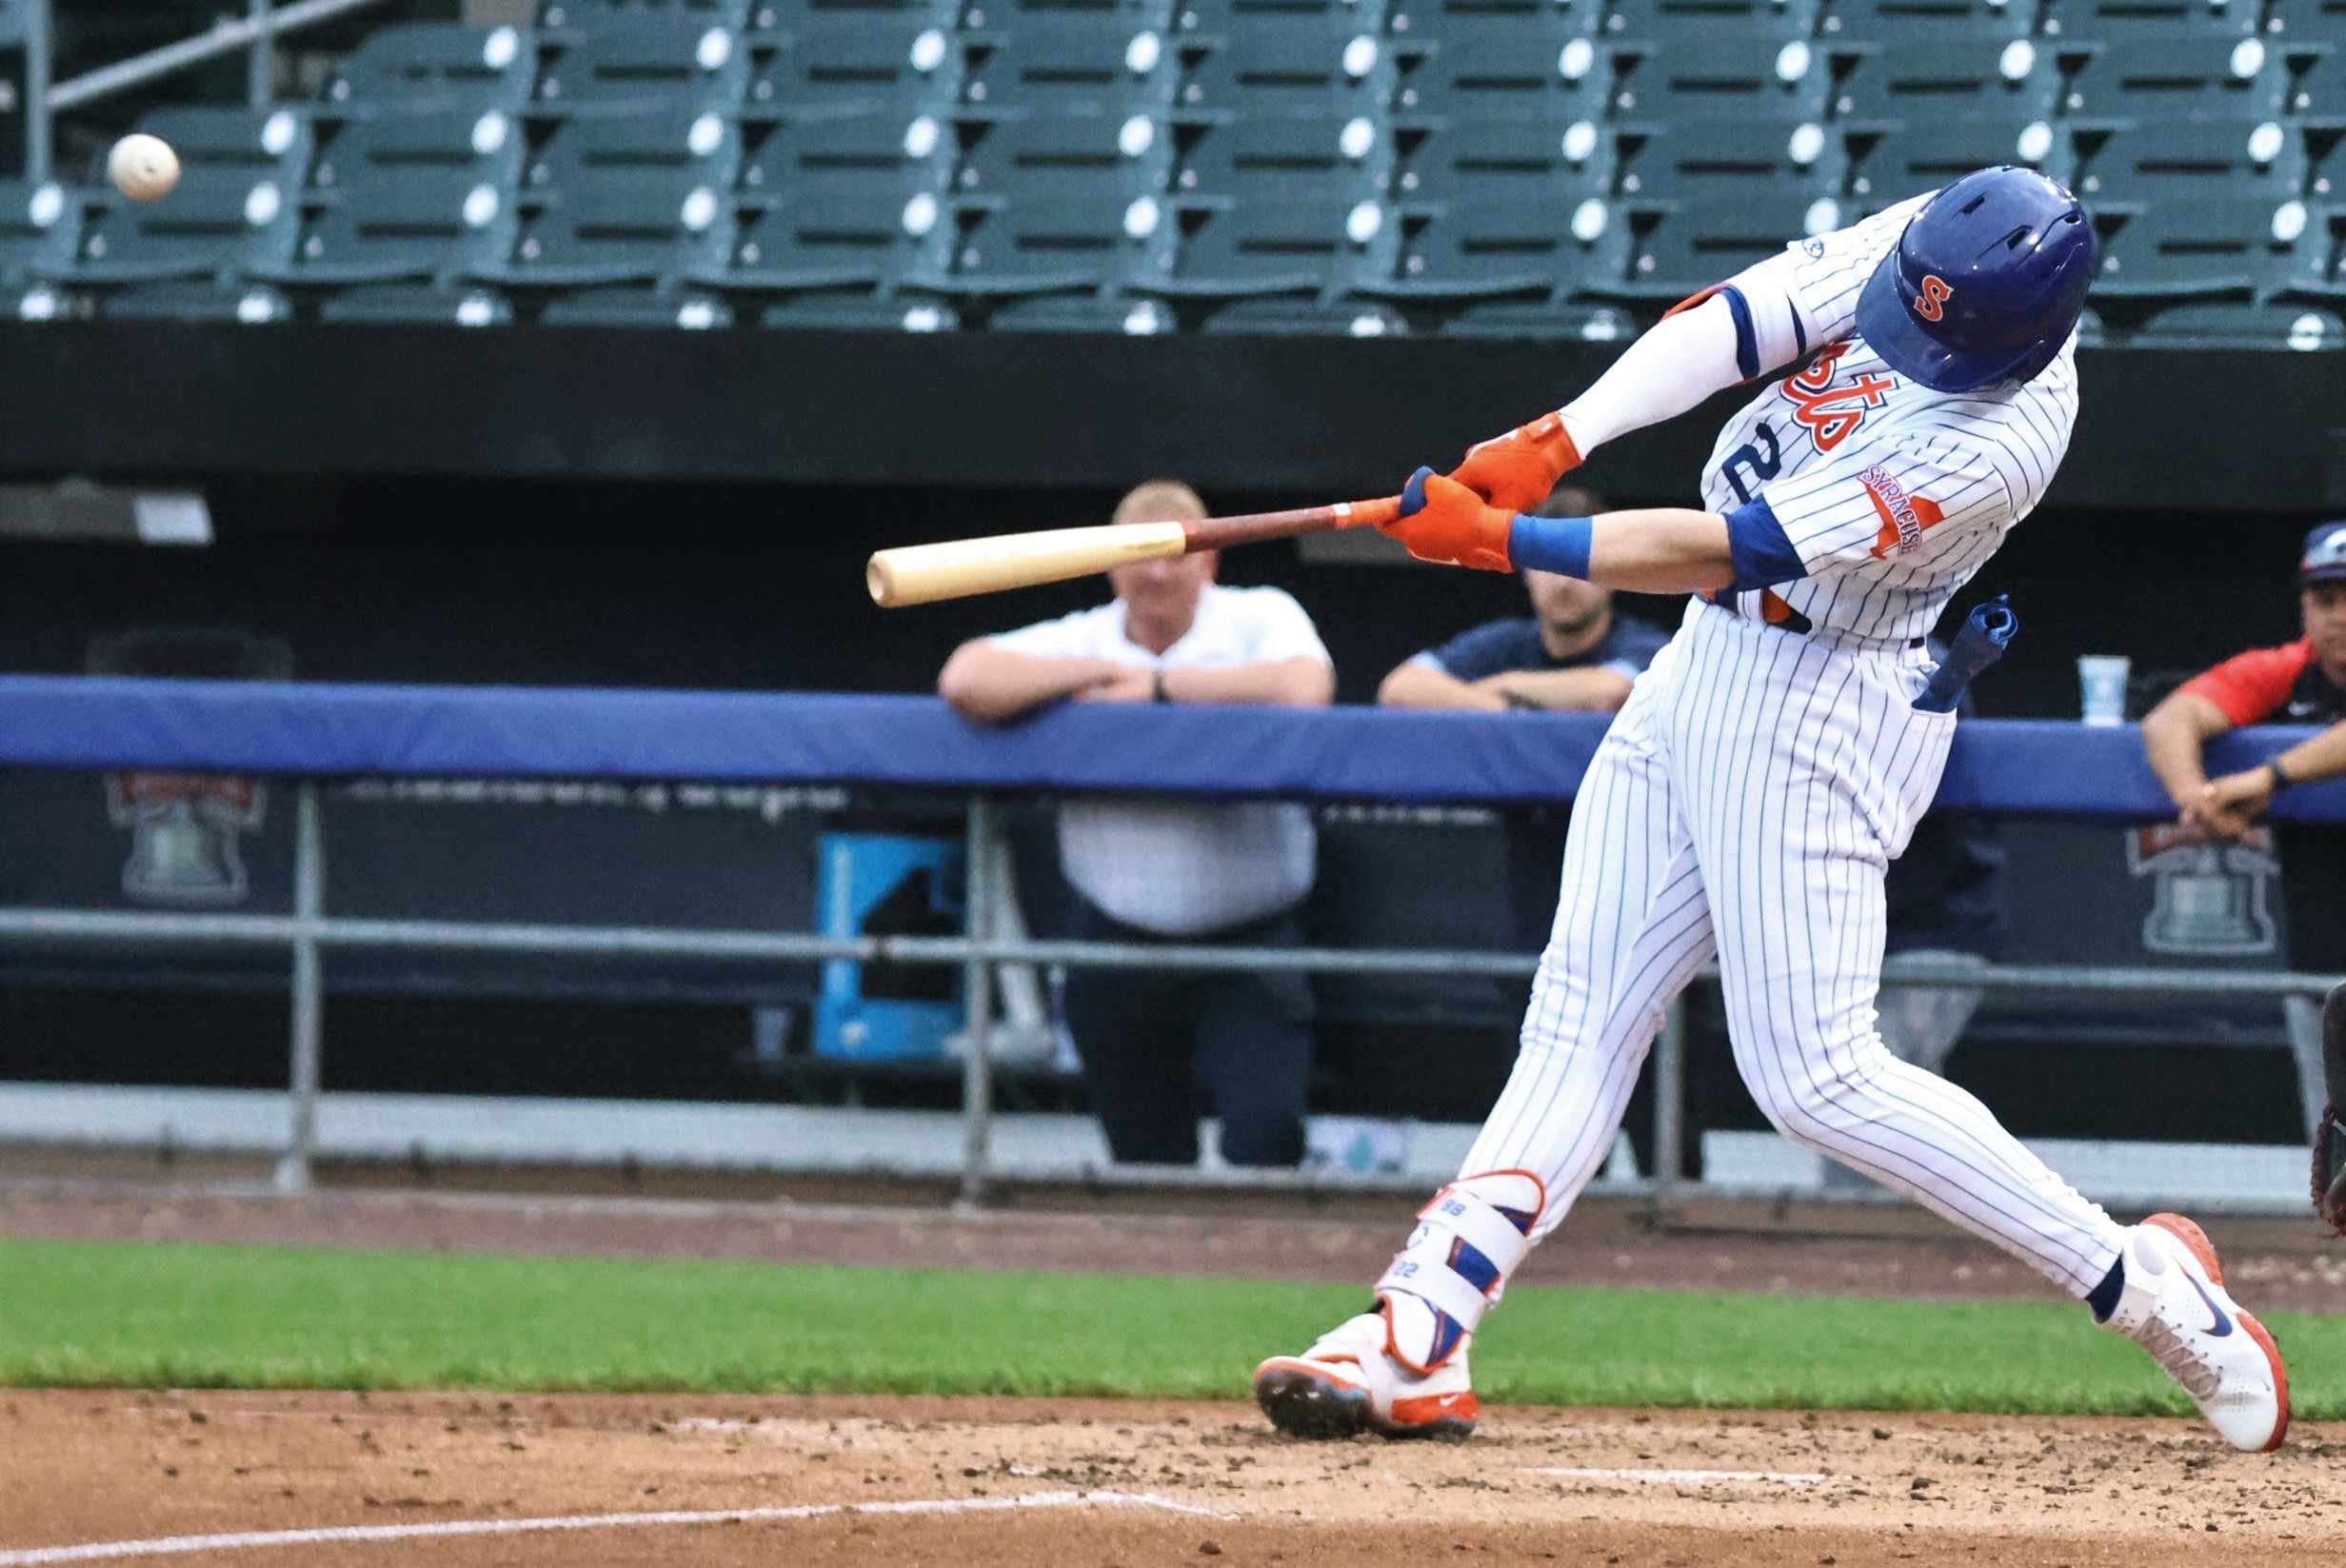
[
  {"x": 406, "y": 197},
  {"x": 613, "y": 199},
  {"x": 666, "y": 59},
  {"x": 40, "y": 229},
  {"x": 2243, "y": 326},
  {"x": 861, "y": 312},
  {"x": 588, "y": 14},
  {"x": 2199, "y": 71},
  {"x": 418, "y": 305},
  {"x": 1085, "y": 313},
  {"x": 1108, "y": 64},
  {"x": 1701, "y": 200},
  {"x": 1280, "y": 57},
  {"x": 2188, "y": 208},
  {"x": 1289, "y": 318},
  {"x": 897, "y": 59},
  {"x": 1884, "y": 24},
  {"x": 1744, "y": 76},
  {"x": 1944, "y": 80},
  {"x": 2316, "y": 94},
  {"x": 836, "y": 201},
  {"x": 685, "y": 310},
  {"x": 1059, "y": 202},
  {"x": 1488, "y": 209},
  {"x": 1277, "y": 205},
  {"x": 433, "y": 68},
  {"x": 1887, "y": 165},
  {"x": 235, "y": 210},
  {"x": 201, "y": 301},
  {"x": 1545, "y": 322},
  {"x": 1499, "y": 60}
]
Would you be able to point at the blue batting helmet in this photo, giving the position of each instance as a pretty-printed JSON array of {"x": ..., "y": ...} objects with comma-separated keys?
[{"x": 1985, "y": 284}]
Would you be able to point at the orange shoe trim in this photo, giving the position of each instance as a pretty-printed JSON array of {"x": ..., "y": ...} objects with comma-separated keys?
[
  {"x": 2193, "y": 1237},
  {"x": 1428, "y": 1408},
  {"x": 2281, "y": 1375},
  {"x": 1317, "y": 1369}
]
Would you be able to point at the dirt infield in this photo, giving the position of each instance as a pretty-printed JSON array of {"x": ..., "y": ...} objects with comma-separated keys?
[{"x": 449, "y": 1478}]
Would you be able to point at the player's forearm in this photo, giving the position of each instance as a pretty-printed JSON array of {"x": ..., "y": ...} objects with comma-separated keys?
[
  {"x": 2175, "y": 737},
  {"x": 1681, "y": 361},
  {"x": 1295, "y": 683},
  {"x": 1661, "y": 550},
  {"x": 1419, "y": 685},
  {"x": 986, "y": 681}
]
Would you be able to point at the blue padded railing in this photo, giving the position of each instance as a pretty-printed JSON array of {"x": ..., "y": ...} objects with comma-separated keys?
[{"x": 1345, "y": 753}]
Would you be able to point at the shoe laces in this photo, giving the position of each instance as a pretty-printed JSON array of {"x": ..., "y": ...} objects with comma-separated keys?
[{"x": 2174, "y": 1353}]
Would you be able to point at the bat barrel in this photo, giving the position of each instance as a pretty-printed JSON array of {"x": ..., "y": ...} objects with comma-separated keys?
[{"x": 922, "y": 574}]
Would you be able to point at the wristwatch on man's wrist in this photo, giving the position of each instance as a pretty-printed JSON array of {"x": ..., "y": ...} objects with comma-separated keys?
[{"x": 2280, "y": 775}]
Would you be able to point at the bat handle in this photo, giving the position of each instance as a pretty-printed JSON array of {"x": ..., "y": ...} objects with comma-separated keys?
[{"x": 1213, "y": 533}]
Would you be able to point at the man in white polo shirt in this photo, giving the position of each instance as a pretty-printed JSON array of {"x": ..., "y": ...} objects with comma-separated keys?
[{"x": 1158, "y": 870}]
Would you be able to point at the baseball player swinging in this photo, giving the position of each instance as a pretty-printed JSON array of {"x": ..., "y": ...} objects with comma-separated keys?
[{"x": 1766, "y": 770}]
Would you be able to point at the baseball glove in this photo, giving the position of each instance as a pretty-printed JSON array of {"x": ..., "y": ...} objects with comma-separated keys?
[{"x": 2329, "y": 1138}]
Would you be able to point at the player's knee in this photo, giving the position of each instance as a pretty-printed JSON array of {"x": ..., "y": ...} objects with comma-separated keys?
[{"x": 1818, "y": 1102}]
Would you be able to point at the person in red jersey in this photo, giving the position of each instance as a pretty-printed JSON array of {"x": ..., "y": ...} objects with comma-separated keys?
[{"x": 2300, "y": 682}]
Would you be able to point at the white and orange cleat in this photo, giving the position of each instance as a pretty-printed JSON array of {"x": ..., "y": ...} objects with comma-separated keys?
[
  {"x": 1400, "y": 1370},
  {"x": 1350, "y": 1382},
  {"x": 2174, "y": 1306}
]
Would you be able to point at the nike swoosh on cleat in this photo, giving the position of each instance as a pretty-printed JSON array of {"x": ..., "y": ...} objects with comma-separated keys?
[{"x": 2222, "y": 1325}]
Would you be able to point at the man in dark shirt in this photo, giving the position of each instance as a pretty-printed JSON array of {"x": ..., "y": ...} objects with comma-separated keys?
[
  {"x": 2300, "y": 682},
  {"x": 1572, "y": 654}
]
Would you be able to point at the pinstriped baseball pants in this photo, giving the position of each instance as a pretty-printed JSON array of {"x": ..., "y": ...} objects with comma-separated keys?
[{"x": 1745, "y": 803}]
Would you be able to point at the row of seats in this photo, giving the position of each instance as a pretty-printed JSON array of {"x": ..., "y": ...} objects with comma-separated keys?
[{"x": 594, "y": 169}]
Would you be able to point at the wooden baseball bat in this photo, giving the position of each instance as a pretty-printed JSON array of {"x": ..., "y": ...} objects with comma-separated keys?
[{"x": 922, "y": 574}]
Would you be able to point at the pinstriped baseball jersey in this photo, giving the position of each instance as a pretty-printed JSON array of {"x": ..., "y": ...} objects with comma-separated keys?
[{"x": 1894, "y": 495}]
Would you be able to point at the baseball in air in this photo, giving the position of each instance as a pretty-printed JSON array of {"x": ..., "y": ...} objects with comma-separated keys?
[{"x": 143, "y": 167}]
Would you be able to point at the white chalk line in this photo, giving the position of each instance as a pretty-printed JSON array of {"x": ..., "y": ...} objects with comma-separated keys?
[
  {"x": 175, "y": 1545},
  {"x": 1670, "y": 1477}
]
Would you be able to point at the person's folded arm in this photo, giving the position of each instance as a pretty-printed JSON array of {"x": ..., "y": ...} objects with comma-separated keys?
[
  {"x": 1420, "y": 683},
  {"x": 1593, "y": 688},
  {"x": 2175, "y": 737},
  {"x": 1300, "y": 681},
  {"x": 986, "y": 681}
]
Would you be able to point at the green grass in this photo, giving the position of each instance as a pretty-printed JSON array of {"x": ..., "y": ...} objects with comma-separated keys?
[{"x": 149, "y": 1315}]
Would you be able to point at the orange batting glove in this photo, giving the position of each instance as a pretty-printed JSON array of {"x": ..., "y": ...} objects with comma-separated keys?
[
  {"x": 1517, "y": 470},
  {"x": 1445, "y": 522}
]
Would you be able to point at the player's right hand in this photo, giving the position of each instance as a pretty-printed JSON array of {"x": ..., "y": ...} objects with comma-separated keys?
[
  {"x": 1516, "y": 471},
  {"x": 1444, "y": 522}
]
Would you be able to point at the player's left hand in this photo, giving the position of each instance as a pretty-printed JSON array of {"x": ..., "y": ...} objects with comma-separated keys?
[
  {"x": 1444, "y": 521},
  {"x": 2229, "y": 805}
]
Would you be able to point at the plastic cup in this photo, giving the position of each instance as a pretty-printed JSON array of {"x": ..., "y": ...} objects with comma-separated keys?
[{"x": 2101, "y": 680}]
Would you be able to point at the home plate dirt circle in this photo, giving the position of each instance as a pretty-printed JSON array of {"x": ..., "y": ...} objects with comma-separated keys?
[{"x": 451, "y": 1479}]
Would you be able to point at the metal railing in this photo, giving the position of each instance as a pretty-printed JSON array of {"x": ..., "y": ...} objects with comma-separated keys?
[
  {"x": 256, "y": 33},
  {"x": 309, "y": 931}
]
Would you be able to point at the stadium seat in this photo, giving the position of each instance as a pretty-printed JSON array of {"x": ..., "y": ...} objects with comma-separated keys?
[
  {"x": 418, "y": 305},
  {"x": 1545, "y": 322},
  {"x": 676, "y": 60},
  {"x": 234, "y": 211},
  {"x": 901, "y": 60},
  {"x": 838, "y": 201},
  {"x": 200, "y": 300},
  {"x": 1946, "y": 80},
  {"x": 1113, "y": 63},
  {"x": 40, "y": 228},
  {"x": 2243, "y": 326},
  {"x": 2192, "y": 208},
  {"x": 406, "y": 197},
  {"x": 1290, "y": 318},
  {"x": 1280, "y": 57},
  {"x": 2316, "y": 92},
  {"x": 2186, "y": 73},
  {"x": 1059, "y": 202},
  {"x": 1085, "y": 313},
  {"x": 433, "y": 68},
  {"x": 840, "y": 311},
  {"x": 613, "y": 199},
  {"x": 1701, "y": 200},
  {"x": 1277, "y": 206},
  {"x": 1487, "y": 208},
  {"x": 587, "y": 13},
  {"x": 1898, "y": 22},
  {"x": 1886, "y": 166},
  {"x": 680, "y": 311},
  {"x": 1499, "y": 60}
]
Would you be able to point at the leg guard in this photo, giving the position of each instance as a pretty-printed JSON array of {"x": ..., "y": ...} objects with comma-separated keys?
[{"x": 1468, "y": 1239}]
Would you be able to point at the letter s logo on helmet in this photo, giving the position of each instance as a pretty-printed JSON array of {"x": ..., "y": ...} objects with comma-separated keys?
[{"x": 1985, "y": 284}]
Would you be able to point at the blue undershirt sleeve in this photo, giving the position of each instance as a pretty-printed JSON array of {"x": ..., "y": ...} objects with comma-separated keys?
[{"x": 1763, "y": 556}]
